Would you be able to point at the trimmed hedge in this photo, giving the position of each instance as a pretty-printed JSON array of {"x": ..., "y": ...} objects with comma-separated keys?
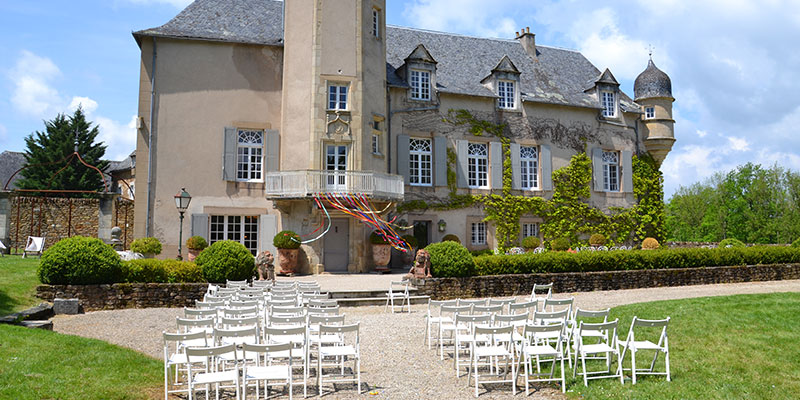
[
  {"x": 79, "y": 260},
  {"x": 796, "y": 243},
  {"x": 531, "y": 242},
  {"x": 161, "y": 271},
  {"x": 731, "y": 242},
  {"x": 587, "y": 261},
  {"x": 226, "y": 260},
  {"x": 450, "y": 259},
  {"x": 146, "y": 245}
]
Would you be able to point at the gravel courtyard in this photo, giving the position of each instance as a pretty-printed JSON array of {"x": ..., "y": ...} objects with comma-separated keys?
[{"x": 395, "y": 364}]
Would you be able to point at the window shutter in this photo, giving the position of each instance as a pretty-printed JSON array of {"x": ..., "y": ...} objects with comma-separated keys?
[
  {"x": 516, "y": 176},
  {"x": 402, "y": 156},
  {"x": 496, "y": 160},
  {"x": 229, "y": 155},
  {"x": 272, "y": 141},
  {"x": 627, "y": 171},
  {"x": 440, "y": 161},
  {"x": 547, "y": 167},
  {"x": 267, "y": 229},
  {"x": 200, "y": 225},
  {"x": 597, "y": 168},
  {"x": 462, "y": 148}
]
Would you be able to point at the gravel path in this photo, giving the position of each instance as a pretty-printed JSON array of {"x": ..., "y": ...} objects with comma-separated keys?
[{"x": 395, "y": 363}]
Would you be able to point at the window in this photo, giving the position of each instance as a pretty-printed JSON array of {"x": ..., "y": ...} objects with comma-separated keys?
[
  {"x": 420, "y": 85},
  {"x": 609, "y": 105},
  {"x": 419, "y": 162},
  {"x": 505, "y": 90},
  {"x": 336, "y": 165},
  {"x": 249, "y": 155},
  {"x": 478, "y": 233},
  {"x": 376, "y": 148},
  {"x": 131, "y": 190},
  {"x": 611, "y": 171},
  {"x": 649, "y": 112},
  {"x": 337, "y": 97},
  {"x": 530, "y": 230},
  {"x": 478, "y": 165},
  {"x": 529, "y": 167},
  {"x": 376, "y": 22},
  {"x": 239, "y": 228}
]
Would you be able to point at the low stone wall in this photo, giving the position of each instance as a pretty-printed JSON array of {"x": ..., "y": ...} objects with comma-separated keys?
[
  {"x": 516, "y": 285},
  {"x": 126, "y": 295}
]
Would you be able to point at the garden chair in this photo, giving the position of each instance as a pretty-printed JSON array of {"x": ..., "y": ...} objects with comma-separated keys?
[
  {"x": 241, "y": 323},
  {"x": 518, "y": 321},
  {"x": 3, "y": 249},
  {"x": 297, "y": 337},
  {"x": 236, "y": 336},
  {"x": 282, "y": 302},
  {"x": 552, "y": 305},
  {"x": 402, "y": 295},
  {"x": 175, "y": 356},
  {"x": 236, "y": 284},
  {"x": 588, "y": 316},
  {"x": 430, "y": 320},
  {"x": 209, "y": 304},
  {"x": 215, "y": 372},
  {"x": 35, "y": 245},
  {"x": 262, "y": 284},
  {"x": 633, "y": 345},
  {"x": 541, "y": 292},
  {"x": 267, "y": 367},
  {"x": 447, "y": 315},
  {"x": 286, "y": 311},
  {"x": 322, "y": 310},
  {"x": 529, "y": 307},
  {"x": 205, "y": 325},
  {"x": 465, "y": 338},
  {"x": 323, "y": 303},
  {"x": 199, "y": 313},
  {"x": 542, "y": 351},
  {"x": 555, "y": 317},
  {"x": 608, "y": 345},
  {"x": 349, "y": 351},
  {"x": 502, "y": 302},
  {"x": 237, "y": 312},
  {"x": 485, "y": 346},
  {"x": 472, "y": 302},
  {"x": 491, "y": 310}
]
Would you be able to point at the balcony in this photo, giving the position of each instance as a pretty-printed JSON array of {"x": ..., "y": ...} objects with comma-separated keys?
[{"x": 304, "y": 184}]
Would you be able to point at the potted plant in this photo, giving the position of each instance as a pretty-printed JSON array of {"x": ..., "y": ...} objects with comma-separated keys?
[
  {"x": 149, "y": 247},
  {"x": 559, "y": 244},
  {"x": 650, "y": 244},
  {"x": 408, "y": 257},
  {"x": 381, "y": 252},
  {"x": 194, "y": 246},
  {"x": 530, "y": 243},
  {"x": 597, "y": 240},
  {"x": 288, "y": 245}
]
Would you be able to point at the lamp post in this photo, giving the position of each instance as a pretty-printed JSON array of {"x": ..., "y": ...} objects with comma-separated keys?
[{"x": 182, "y": 200}]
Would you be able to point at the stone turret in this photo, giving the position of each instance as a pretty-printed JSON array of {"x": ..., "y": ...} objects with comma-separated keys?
[{"x": 653, "y": 91}]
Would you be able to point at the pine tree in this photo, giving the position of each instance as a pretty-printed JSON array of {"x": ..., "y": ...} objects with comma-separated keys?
[{"x": 48, "y": 152}]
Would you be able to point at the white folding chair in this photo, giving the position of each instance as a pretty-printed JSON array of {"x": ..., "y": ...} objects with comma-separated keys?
[
  {"x": 193, "y": 325},
  {"x": 491, "y": 309},
  {"x": 529, "y": 307},
  {"x": 350, "y": 351},
  {"x": 447, "y": 315},
  {"x": 464, "y": 336},
  {"x": 267, "y": 367},
  {"x": 542, "y": 351},
  {"x": 431, "y": 320},
  {"x": 555, "y": 317},
  {"x": 502, "y": 302},
  {"x": 236, "y": 284},
  {"x": 541, "y": 292},
  {"x": 402, "y": 295},
  {"x": 199, "y": 313},
  {"x": 608, "y": 345},
  {"x": 486, "y": 347},
  {"x": 588, "y": 316},
  {"x": 297, "y": 337},
  {"x": 633, "y": 345},
  {"x": 175, "y": 356},
  {"x": 35, "y": 245},
  {"x": 216, "y": 371},
  {"x": 471, "y": 302},
  {"x": 3, "y": 249}
]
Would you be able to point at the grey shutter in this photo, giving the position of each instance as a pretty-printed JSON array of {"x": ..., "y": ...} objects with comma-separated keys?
[
  {"x": 627, "y": 171},
  {"x": 546, "y": 159},
  {"x": 516, "y": 177},
  {"x": 268, "y": 228},
  {"x": 462, "y": 148},
  {"x": 200, "y": 225},
  {"x": 229, "y": 155},
  {"x": 440, "y": 161},
  {"x": 272, "y": 141},
  {"x": 597, "y": 168},
  {"x": 402, "y": 156},
  {"x": 496, "y": 160}
]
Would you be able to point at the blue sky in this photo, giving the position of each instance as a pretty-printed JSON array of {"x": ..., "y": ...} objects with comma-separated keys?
[{"x": 734, "y": 64}]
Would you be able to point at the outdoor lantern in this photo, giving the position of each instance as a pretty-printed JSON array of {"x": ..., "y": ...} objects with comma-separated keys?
[
  {"x": 442, "y": 225},
  {"x": 182, "y": 201}
]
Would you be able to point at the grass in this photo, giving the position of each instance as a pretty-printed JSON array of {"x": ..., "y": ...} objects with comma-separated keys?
[
  {"x": 732, "y": 347},
  {"x": 39, "y": 364},
  {"x": 18, "y": 283}
]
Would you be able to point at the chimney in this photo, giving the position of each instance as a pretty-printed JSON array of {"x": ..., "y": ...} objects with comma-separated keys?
[{"x": 528, "y": 41}]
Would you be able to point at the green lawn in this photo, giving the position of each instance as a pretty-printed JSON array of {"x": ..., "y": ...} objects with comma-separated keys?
[
  {"x": 733, "y": 347},
  {"x": 18, "y": 283},
  {"x": 38, "y": 364}
]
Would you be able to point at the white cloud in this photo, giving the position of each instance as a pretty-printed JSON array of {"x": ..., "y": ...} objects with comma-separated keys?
[
  {"x": 175, "y": 3},
  {"x": 475, "y": 17},
  {"x": 87, "y": 105},
  {"x": 738, "y": 144},
  {"x": 32, "y": 94},
  {"x": 119, "y": 137},
  {"x": 702, "y": 133}
]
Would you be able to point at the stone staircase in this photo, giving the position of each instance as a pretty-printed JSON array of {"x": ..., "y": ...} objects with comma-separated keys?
[{"x": 354, "y": 298}]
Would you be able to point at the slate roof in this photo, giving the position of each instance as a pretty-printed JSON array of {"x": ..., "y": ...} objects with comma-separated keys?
[
  {"x": 10, "y": 162},
  {"x": 126, "y": 164},
  {"x": 652, "y": 82}
]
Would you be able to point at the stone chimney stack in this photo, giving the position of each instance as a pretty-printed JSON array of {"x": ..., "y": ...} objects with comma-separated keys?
[{"x": 528, "y": 41}]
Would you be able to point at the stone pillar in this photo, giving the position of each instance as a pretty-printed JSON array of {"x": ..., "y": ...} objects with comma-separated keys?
[
  {"x": 5, "y": 218},
  {"x": 106, "y": 216}
]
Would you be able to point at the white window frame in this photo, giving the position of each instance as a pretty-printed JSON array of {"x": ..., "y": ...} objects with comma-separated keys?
[
  {"x": 506, "y": 92},
  {"x": 609, "y": 103},
  {"x": 478, "y": 165},
  {"x": 250, "y": 155},
  {"x": 239, "y": 228},
  {"x": 376, "y": 22},
  {"x": 611, "y": 171},
  {"x": 649, "y": 112},
  {"x": 420, "y": 82},
  {"x": 376, "y": 144},
  {"x": 478, "y": 234},
  {"x": 529, "y": 168},
  {"x": 336, "y": 167},
  {"x": 530, "y": 229},
  {"x": 337, "y": 96},
  {"x": 420, "y": 162}
]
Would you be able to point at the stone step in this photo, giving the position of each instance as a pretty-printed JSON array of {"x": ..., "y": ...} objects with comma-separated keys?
[
  {"x": 356, "y": 294},
  {"x": 376, "y": 301},
  {"x": 46, "y": 324}
]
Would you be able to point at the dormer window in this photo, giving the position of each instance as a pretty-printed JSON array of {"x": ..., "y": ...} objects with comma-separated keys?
[
  {"x": 505, "y": 93},
  {"x": 609, "y": 104},
  {"x": 649, "y": 112},
  {"x": 420, "y": 84}
]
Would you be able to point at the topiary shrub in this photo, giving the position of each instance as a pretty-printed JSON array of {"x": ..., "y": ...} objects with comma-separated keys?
[
  {"x": 796, "y": 243},
  {"x": 375, "y": 238},
  {"x": 196, "y": 243},
  {"x": 484, "y": 252},
  {"x": 650, "y": 244},
  {"x": 226, "y": 260},
  {"x": 411, "y": 240},
  {"x": 450, "y": 259},
  {"x": 182, "y": 271},
  {"x": 531, "y": 242},
  {"x": 560, "y": 244},
  {"x": 79, "y": 261},
  {"x": 598, "y": 239},
  {"x": 147, "y": 270},
  {"x": 286, "y": 240},
  {"x": 731, "y": 242},
  {"x": 451, "y": 238},
  {"x": 147, "y": 245}
]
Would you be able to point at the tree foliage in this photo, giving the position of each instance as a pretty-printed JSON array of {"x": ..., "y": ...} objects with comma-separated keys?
[{"x": 47, "y": 153}]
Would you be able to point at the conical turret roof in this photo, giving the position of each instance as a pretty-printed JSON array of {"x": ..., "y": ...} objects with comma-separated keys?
[{"x": 653, "y": 82}]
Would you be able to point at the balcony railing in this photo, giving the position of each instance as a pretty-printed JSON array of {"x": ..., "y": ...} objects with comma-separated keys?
[{"x": 302, "y": 184}]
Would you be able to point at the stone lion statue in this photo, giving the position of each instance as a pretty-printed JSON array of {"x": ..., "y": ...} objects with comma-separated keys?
[
  {"x": 265, "y": 266},
  {"x": 422, "y": 265}
]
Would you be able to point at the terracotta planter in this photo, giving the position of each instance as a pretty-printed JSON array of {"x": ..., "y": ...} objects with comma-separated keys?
[
  {"x": 381, "y": 254},
  {"x": 287, "y": 258},
  {"x": 408, "y": 257},
  {"x": 191, "y": 254}
]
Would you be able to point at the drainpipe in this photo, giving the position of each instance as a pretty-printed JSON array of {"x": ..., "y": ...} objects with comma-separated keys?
[
  {"x": 636, "y": 129},
  {"x": 151, "y": 129},
  {"x": 388, "y": 131}
]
